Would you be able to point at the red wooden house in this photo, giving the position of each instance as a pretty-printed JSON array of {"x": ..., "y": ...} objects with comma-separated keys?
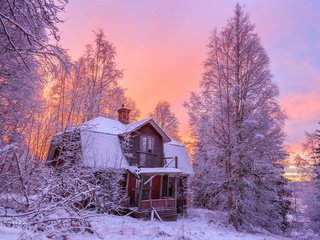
[{"x": 157, "y": 166}]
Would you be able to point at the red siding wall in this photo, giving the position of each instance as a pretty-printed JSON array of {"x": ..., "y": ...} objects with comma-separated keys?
[
  {"x": 156, "y": 185},
  {"x": 131, "y": 188}
]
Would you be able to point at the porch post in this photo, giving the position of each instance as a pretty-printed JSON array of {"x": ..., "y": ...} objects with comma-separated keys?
[
  {"x": 175, "y": 191},
  {"x": 140, "y": 192},
  {"x": 127, "y": 188}
]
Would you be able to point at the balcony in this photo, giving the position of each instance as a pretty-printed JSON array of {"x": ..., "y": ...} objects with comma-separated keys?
[
  {"x": 153, "y": 160},
  {"x": 147, "y": 159}
]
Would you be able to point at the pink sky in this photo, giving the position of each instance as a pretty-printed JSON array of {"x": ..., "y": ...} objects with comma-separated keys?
[{"x": 162, "y": 45}]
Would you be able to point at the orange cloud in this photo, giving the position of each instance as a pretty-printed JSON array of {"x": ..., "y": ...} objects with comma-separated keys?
[{"x": 303, "y": 112}]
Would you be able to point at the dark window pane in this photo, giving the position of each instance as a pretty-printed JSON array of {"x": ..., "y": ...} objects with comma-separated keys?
[
  {"x": 171, "y": 186},
  {"x": 164, "y": 186}
]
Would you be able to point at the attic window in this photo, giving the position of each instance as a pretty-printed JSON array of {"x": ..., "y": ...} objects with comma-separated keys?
[
  {"x": 147, "y": 144},
  {"x": 146, "y": 150}
]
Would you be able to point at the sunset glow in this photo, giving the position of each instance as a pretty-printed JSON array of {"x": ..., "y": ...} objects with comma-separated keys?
[
  {"x": 162, "y": 45},
  {"x": 171, "y": 119}
]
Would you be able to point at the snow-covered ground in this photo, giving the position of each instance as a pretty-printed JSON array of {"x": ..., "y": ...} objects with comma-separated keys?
[{"x": 199, "y": 224}]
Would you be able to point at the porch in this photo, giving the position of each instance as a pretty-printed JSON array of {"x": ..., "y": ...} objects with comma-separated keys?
[{"x": 153, "y": 189}]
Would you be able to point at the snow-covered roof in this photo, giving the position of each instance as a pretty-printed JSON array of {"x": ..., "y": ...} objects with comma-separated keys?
[
  {"x": 111, "y": 126},
  {"x": 174, "y": 148},
  {"x": 104, "y": 125},
  {"x": 101, "y": 147},
  {"x": 101, "y": 150},
  {"x": 158, "y": 170}
]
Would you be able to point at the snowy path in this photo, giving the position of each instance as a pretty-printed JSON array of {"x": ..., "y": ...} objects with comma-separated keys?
[{"x": 196, "y": 227}]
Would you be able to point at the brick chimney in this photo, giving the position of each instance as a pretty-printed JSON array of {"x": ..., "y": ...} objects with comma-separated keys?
[{"x": 124, "y": 114}]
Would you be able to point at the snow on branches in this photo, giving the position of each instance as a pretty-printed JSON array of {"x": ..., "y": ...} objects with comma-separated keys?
[
  {"x": 57, "y": 196},
  {"x": 238, "y": 124},
  {"x": 166, "y": 119}
]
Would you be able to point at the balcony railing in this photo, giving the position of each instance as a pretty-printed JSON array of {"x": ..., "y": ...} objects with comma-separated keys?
[
  {"x": 171, "y": 162},
  {"x": 149, "y": 160}
]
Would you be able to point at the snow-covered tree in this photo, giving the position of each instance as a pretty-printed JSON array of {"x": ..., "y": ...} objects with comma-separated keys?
[
  {"x": 316, "y": 178},
  {"x": 91, "y": 88},
  {"x": 309, "y": 167},
  {"x": 166, "y": 119},
  {"x": 38, "y": 190},
  {"x": 87, "y": 90},
  {"x": 26, "y": 28},
  {"x": 98, "y": 73},
  {"x": 28, "y": 36},
  {"x": 238, "y": 124}
]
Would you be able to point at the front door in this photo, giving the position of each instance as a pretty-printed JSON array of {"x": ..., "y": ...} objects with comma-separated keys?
[{"x": 168, "y": 186}]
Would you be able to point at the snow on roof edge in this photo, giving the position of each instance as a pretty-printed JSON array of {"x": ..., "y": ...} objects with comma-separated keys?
[
  {"x": 115, "y": 127},
  {"x": 175, "y": 143},
  {"x": 143, "y": 170}
]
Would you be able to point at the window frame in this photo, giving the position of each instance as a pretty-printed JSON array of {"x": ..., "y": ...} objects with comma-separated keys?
[
  {"x": 146, "y": 142},
  {"x": 145, "y": 188},
  {"x": 149, "y": 142}
]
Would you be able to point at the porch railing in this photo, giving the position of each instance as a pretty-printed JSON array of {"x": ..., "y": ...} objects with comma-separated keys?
[{"x": 166, "y": 203}]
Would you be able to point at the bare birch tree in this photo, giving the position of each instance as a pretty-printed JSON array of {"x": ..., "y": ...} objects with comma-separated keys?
[
  {"x": 166, "y": 119},
  {"x": 26, "y": 30},
  {"x": 98, "y": 72},
  {"x": 87, "y": 90},
  {"x": 92, "y": 88}
]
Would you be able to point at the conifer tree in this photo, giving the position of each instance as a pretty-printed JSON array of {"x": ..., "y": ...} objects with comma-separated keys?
[{"x": 238, "y": 124}]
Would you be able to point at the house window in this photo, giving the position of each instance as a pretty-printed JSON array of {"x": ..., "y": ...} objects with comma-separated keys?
[
  {"x": 146, "y": 188},
  {"x": 147, "y": 144},
  {"x": 146, "y": 149}
]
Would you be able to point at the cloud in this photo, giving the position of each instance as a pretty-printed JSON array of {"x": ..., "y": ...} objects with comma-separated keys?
[
  {"x": 302, "y": 107},
  {"x": 303, "y": 112}
]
